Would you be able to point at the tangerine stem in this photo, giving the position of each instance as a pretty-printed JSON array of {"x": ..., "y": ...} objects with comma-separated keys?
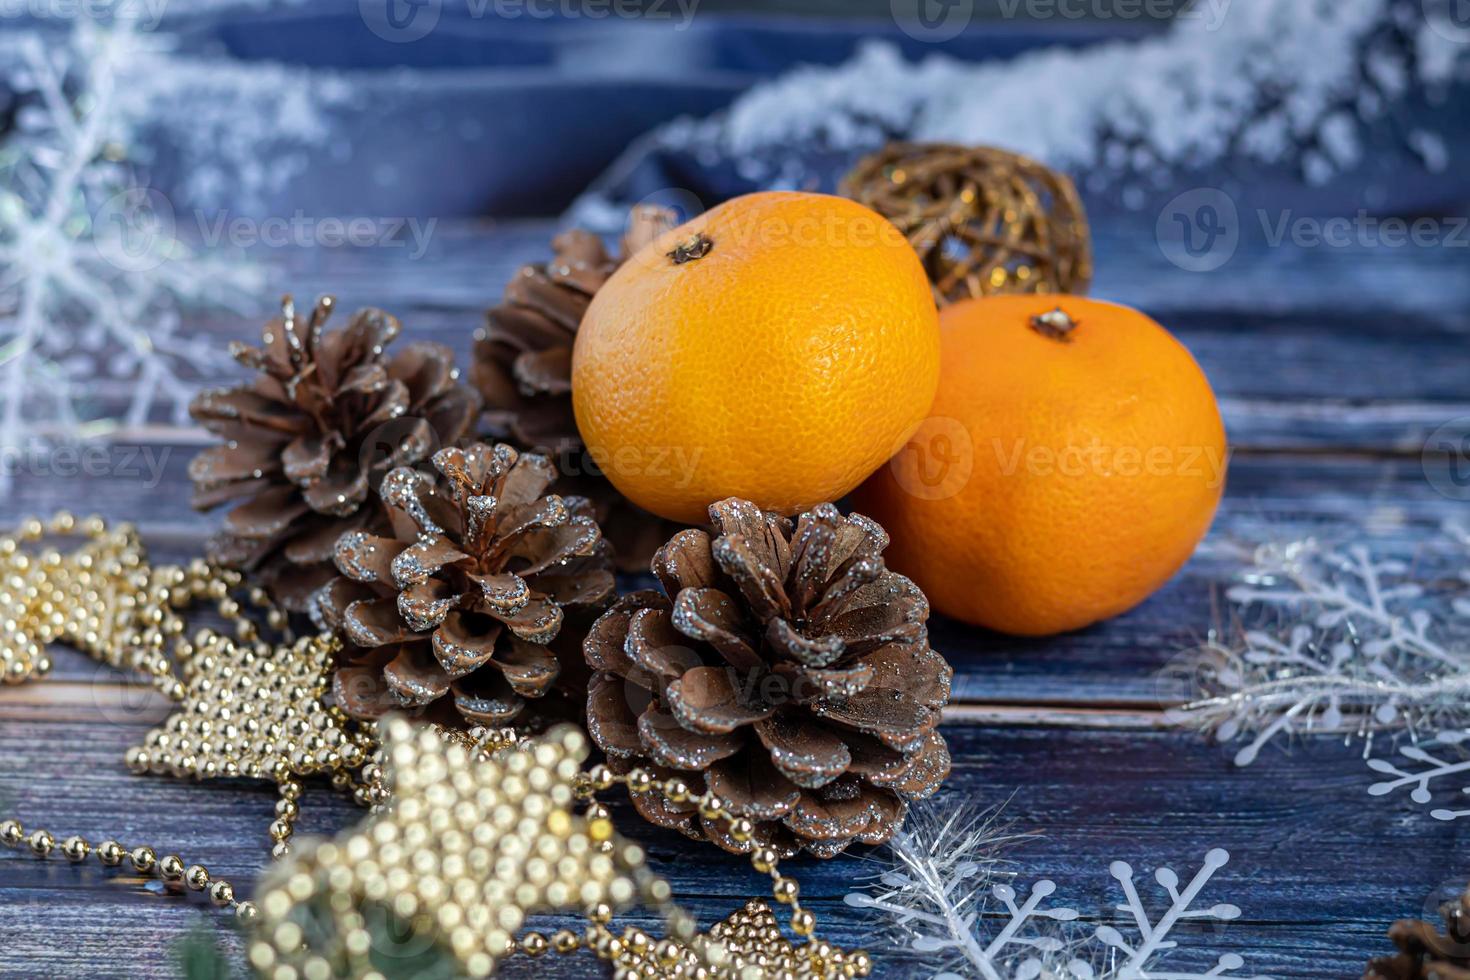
[
  {"x": 1055, "y": 325},
  {"x": 696, "y": 248}
]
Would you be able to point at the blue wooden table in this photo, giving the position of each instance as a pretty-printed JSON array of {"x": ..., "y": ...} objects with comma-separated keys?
[{"x": 1332, "y": 366}]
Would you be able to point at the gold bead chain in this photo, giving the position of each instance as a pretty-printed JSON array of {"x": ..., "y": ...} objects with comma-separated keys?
[
  {"x": 753, "y": 929},
  {"x": 144, "y": 860}
]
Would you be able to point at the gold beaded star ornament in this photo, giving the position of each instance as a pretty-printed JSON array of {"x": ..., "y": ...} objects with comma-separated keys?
[{"x": 471, "y": 842}]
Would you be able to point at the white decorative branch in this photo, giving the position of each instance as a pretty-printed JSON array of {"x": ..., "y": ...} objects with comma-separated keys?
[{"x": 931, "y": 894}]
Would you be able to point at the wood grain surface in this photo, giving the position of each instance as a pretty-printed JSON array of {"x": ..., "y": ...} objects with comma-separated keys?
[{"x": 1332, "y": 365}]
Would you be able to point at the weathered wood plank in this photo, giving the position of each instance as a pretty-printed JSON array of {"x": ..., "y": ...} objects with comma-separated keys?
[{"x": 1150, "y": 799}]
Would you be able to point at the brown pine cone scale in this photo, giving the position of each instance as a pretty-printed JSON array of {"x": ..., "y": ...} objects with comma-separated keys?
[
  {"x": 783, "y": 668},
  {"x": 302, "y": 440},
  {"x": 466, "y": 598}
]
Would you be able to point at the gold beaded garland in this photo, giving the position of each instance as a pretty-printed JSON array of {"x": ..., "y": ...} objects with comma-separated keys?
[{"x": 104, "y": 599}]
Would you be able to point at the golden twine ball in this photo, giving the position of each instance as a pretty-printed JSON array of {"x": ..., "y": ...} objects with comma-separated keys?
[{"x": 983, "y": 220}]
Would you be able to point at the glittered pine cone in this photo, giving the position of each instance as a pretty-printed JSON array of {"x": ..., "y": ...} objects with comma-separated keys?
[
  {"x": 523, "y": 370},
  {"x": 786, "y": 670},
  {"x": 478, "y": 596},
  {"x": 1424, "y": 952},
  {"x": 307, "y": 440}
]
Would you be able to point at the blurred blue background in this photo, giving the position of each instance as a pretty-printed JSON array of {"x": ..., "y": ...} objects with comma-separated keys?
[{"x": 504, "y": 108}]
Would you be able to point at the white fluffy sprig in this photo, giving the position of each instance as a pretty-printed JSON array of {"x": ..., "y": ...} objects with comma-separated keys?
[
  {"x": 1347, "y": 643},
  {"x": 950, "y": 897}
]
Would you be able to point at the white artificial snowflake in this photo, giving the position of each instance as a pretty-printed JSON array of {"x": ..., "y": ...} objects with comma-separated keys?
[
  {"x": 945, "y": 868},
  {"x": 1434, "y": 767},
  {"x": 1138, "y": 959},
  {"x": 93, "y": 280},
  {"x": 1341, "y": 642}
]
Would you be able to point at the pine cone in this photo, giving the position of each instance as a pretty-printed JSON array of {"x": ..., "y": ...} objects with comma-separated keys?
[
  {"x": 789, "y": 673},
  {"x": 308, "y": 439},
  {"x": 467, "y": 595},
  {"x": 523, "y": 369},
  {"x": 1425, "y": 953}
]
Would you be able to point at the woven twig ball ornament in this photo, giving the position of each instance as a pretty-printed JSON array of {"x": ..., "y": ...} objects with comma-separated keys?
[{"x": 983, "y": 220}]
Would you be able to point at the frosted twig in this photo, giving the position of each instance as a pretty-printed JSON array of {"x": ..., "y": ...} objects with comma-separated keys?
[{"x": 943, "y": 865}]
